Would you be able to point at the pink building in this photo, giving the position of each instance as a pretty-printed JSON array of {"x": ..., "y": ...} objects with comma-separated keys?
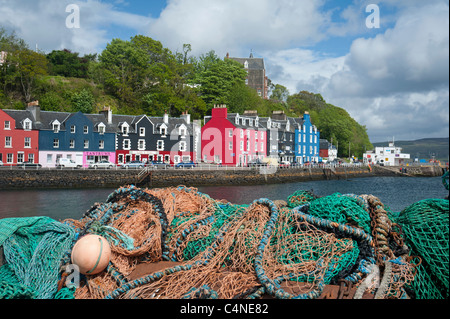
[{"x": 233, "y": 139}]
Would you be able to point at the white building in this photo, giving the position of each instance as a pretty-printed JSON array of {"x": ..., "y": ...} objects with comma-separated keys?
[{"x": 387, "y": 156}]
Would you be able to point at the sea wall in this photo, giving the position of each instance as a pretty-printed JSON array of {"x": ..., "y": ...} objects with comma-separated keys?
[
  {"x": 25, "y": 179},
  {"x": 42, "y": 178}
]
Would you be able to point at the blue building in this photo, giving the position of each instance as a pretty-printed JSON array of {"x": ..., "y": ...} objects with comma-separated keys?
[
  {"x": 83, "y": 138},
  {"x": 291, "y": 139},
  {"x": 307, "y": 140}
]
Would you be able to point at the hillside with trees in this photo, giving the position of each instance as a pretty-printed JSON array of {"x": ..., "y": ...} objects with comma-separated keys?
[{"x": 141, "y": 76}]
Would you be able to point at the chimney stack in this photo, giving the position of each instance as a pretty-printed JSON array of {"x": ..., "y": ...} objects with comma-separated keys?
[
  {"x": 35, "y": 109},
  {"x": 166, "y": 118},
  {"x": 186, "y": 116},
  {"x": 107, "y": 113}
]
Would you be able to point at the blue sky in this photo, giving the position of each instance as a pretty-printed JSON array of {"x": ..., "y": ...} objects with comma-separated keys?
[{"x": 393, "y": 79}]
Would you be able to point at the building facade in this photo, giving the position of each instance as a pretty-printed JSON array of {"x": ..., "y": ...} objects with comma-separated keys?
[
  {"x": 73, "y": 136},
  {"x": 165, "y": 139},
  {"x": 328, "y": 152},
  {"x": 256, "y": 71},
  {"x": 387, "y": 156},
  {"x": 307, "y": 145},
  {"x": 232, "y": 139},
  {"x": 19, "y": 138}
]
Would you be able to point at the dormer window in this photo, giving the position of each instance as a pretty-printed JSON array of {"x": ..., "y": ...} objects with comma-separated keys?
[
  {"x": 27, "y": 124},
  {"x": 182, "y": 131},
  {"x": 101, "y": 128},
  {"x": 56, "y": 126},
  {"x": 250, "y": 122},
  {"x": 163, "y": 130},
  {"x": 125, "y": 128}
]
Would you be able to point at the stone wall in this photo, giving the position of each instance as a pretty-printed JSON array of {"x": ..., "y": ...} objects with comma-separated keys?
[{"x": 22, "y": 179}]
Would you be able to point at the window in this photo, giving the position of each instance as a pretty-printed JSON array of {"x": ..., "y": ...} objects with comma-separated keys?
[
  {"x": 31, "y": 158},
  {"x": 55, "y": 143},
  {"x": 163, "y": 130},
  {"x": 141, "y": 144},
  {"x": 262, "y": 147},
  {"x": 9, "y": 158},
  {"x": 72, "y": 144},
  {"x": 241, "y": 131},
  {"x": 8, "y": 141},
  {"x": 27, "y": 143},
  {"x": 248, "y": 145},
  {"x": 230, "y": 146},
  {"x": 125, "y": 129},
  {"x": 256, "y": 147},
  {"x": 85, "y": 129},
  {"x": 242, "y": 146},
  {"x": 182, "y": 146},
  {"x": 262, "y": 135},
  {"x": 27, "y": 124},
  {"x": 120, "y": 158},
  {"x": 101, "y": 144},
  {"x": 182, "y": 131},
  {"x": 49, "y": 158},
  {"x": 101, "y": 128},
  {"x": 304, "y": 138},
  {"x": 250, "y": 122},
  {"x": 126, "y": 144},
  {"x": 310, "y": 138},
  {"x": 72, "y": 129},
  {"x": 230, "y": 133},
  {"x": 142, "y": 131},
  {"x": 86, "y": 144},
  {"x": 19, "y": 158},
  {"x": 160, "y": 145},
  {"x": 56, "y": 127},
  {"x": 7, "y": 125}
]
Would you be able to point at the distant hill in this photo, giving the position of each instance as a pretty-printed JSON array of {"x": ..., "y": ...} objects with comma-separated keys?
[{"x": 424, "y": 148}]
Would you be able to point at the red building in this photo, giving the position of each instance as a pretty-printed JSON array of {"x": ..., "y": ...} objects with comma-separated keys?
[
  {"x": 19, "y": 140},
  {"x": 232, "y": 139}
]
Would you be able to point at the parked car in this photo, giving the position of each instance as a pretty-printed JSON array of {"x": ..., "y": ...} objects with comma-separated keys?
[
  {"x": 29, "y": 165},
  {"x": 133, "y": 164},
  {"x": 65, "y": 162},
  {"x": 285, "y": 164},
  {"x": 102, "y": 164},
  {"x": 190, "y": 164},
  {"x": 256, "y": 163},
  {"x": 159, "y": 164}
]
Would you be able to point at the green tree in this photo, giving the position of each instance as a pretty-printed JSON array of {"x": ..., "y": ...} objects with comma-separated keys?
[
  {"x": 83, "y": 101},
  {"x": 69, "y": 64},
  {"x": 279, "y": 92},
  {"x": 217, "y": 78}
]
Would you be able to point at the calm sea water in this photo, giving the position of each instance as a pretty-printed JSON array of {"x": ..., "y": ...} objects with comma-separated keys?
[{"x": 395, "y": 192}]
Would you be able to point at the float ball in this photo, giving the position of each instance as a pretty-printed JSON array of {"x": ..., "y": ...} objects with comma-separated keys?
[{"x": 91, "y": 254}]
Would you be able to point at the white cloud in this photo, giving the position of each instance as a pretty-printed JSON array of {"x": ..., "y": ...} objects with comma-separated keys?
[
  {"x": 44, "y": 23},
  {"x": 395, "y": 83},
  {"x": 237, "y": 26}
]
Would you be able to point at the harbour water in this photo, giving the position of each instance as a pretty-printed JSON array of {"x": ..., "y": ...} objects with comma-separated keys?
[{"x": 395, "y": 192}]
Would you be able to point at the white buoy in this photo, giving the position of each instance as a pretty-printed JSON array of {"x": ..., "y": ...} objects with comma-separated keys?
[{"x": 91, "y": 254}]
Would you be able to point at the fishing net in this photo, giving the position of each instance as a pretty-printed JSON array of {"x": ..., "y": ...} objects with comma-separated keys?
[
  {"x": 177, "y": 243},
  {"x": 425, "y": 227}
]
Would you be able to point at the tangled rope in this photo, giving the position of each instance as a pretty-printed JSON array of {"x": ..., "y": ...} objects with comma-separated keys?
[{"x": 177, "y": 243}]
